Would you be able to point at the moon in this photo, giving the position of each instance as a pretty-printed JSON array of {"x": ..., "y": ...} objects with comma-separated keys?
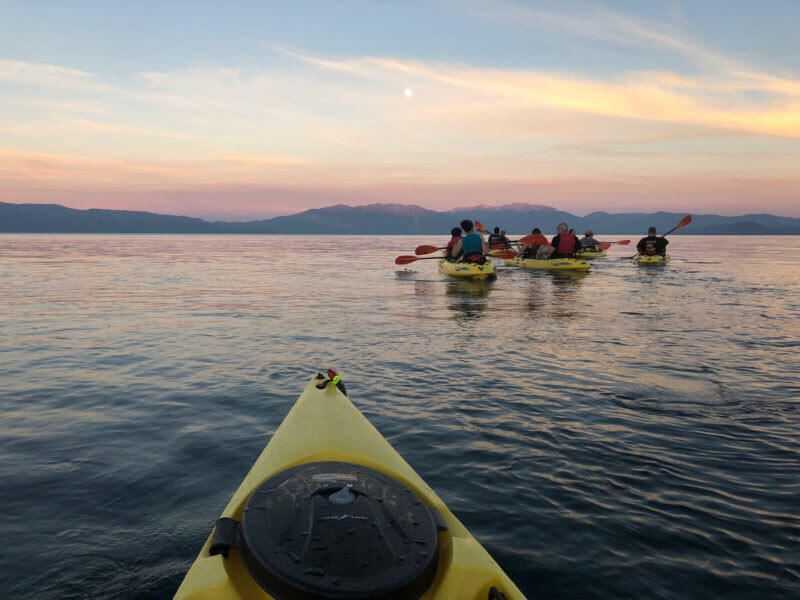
[{"x": 408, "y": 92}]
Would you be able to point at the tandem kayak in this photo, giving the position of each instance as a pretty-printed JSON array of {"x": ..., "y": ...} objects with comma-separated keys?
[
  {"x": 590, "y": 254},
  {"x": 468, "y": 270},
  {"x": 330, "y": 510},
  {"x": 556, "y": 264},
  {"x": 656, "y": 260}
]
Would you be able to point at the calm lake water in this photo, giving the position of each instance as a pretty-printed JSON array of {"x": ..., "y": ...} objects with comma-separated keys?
[{"x": 629, "y": 433}]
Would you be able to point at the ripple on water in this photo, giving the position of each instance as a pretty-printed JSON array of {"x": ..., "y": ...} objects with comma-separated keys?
[{"x": 624, "y": 433}]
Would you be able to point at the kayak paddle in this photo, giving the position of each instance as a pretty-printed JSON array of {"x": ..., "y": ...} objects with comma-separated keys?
[
  {"x": 682, "y": 223},
  {"x": 607, "y": 245},
  {"x": 405, "y": 259},
  {"x": 427, "y": 249}
]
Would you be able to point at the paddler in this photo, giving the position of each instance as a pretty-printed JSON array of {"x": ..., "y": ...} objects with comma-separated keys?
[
  {"x": 588, "y": 242},
  {"x": 652, "y": 244},
  {"x": 564, "y": 242},
  {"x": 472, "y": 247},
  {"x": 495, "y": 238},
  {"x": 455, "y": 234},
  {"x": 538, "y": 248}
]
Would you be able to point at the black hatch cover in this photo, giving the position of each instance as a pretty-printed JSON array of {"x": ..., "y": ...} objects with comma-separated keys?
[{"x": 338, "y": 530}]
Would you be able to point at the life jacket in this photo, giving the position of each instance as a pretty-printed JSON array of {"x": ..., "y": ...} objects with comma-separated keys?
[
  {"x": 471, "y": 243},
  {"x": 495, "y": 238},
  {"x": 448, "y": 252},
  {"x": 538, "y": 241},
  {"x": 567, "y": 243},
  {"x": 588, "y": 242},
  {"x": 650, "y": 245}
]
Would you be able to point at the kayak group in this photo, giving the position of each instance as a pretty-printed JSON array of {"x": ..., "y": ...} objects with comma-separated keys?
[
  {"x": 468, "y": 245},
  {"x": 466, "y": 253}
]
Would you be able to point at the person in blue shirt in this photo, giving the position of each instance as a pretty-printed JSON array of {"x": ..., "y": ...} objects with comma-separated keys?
[
  {"x": 588, "y": 242},
  {"x": 471, "y": 247}
]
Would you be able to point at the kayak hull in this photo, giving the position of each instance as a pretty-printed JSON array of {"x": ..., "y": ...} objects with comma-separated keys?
[
  {"x": 468, "y": 270},
  {"x": 589, "y": 255},
  {"x": 651, "y": 261},
  {"x": 323, "y": 425},
  {"x": 552, "y": 264}
]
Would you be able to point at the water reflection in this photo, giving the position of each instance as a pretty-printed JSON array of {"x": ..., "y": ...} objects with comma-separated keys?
[
  {"x": 566, "y": 285},
  {"x": 469, "y": 298},
  {"x": 557, "y": 290}
]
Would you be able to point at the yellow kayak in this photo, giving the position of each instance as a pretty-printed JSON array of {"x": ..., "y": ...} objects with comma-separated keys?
[
  {"x": 331, "y": 511},
  {"x": 468, "y": 270},
  {"x": 590, "y": 254},
  {"x": 496, "y": 251},
  {"x": 657, "y": 260},
  {"x": 555, "y": 264}
]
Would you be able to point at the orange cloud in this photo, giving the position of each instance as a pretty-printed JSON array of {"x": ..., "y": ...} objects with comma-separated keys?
[{"x": 657, "y": 96}]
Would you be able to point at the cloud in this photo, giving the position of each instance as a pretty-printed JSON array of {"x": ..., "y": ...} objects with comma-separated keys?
[
  {"x": 603, "y": 25},
  {"x": 117, "y": 129},
  {"x": 56, "y": 171},
  {"x": 659, "y": 96},
  {"x": 29, "y": 73}
]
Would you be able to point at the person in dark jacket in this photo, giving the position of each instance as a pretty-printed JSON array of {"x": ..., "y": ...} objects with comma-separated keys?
[
  {"x": 652, "y": 244},
  {"x": 495, "y": 238},
  {"x": 504, "y": 238}
]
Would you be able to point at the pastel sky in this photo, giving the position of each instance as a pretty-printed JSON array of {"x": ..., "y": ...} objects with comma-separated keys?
[{"x": 252, "y": 109}]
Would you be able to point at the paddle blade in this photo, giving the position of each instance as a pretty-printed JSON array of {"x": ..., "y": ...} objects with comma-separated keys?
[
  {"x": 604, "y": 245},
  {"x": 404, "y": 260},
  {"x": 421, "y": 250},
  {"x": 684, "y": 221},
  {"x": 623, "y": 242},
  {"x": 479, "y": 226},
  {"x": 505, "y": 255}
]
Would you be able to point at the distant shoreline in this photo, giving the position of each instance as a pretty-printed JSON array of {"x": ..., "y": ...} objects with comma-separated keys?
[{"x": 379, "y": 219}]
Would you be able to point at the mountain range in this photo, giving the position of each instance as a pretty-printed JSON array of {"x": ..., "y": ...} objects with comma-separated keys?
[{"x": 381, "y": 219}]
